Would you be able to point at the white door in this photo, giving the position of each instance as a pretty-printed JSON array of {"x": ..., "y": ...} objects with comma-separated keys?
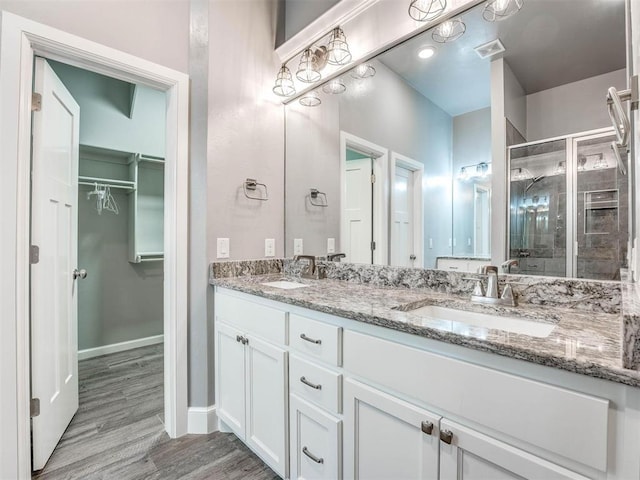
[
  {"x": 316, "y": 444},
  {"x": 230, "y": 378},
  {"x": 402, "y": 235},
  {"x": 267, "y": 416},
  {"x": 54, "y": 227},
  {"x": 386, "y": 438},
  {"x": 358, "y": 212},
  {"x": 474, "y": 456}
]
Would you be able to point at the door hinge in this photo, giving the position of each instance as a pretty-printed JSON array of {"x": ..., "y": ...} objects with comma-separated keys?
[
  {"x": 373, "y": 245},
  {"x": 36, "y": 102},
  {"x": 34, "y": 254},
  {"x": 34, "y": 407},
  {"x": 373, "y": 178}
]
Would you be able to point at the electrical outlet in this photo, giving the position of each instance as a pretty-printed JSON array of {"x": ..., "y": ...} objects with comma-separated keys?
[
  {"x": 223, "y": 248},
  {"x": 269, "y": 247},
  {"x": 331, "y": 245},
  {"x": 297, "y": 246},
  {"x": 431, "y": 243},
  {"x": 450, "y": 242},
  {"x": 469, "y": 242}
]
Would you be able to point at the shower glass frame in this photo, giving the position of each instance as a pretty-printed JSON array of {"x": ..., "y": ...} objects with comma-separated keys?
[{"x": 571, "y": 173}]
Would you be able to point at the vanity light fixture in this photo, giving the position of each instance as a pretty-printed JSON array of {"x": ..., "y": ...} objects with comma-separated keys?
[
  {"x": 520, "y": 174},
  {"x": 334, "y": 87},
  {"x": 364, "y": 70},
  {"x": 426, "y": 52},
  {"x": 561, "y": 169},
  {"x": 483, "y": 169},
  {"x": 479, "y": 170},
  {"x": 497, "y": 10},
  {"x": 337, "y": 49},
  {"x": 284, "y": 86},
  {"x": 308, "y": 71},
  {"x": 310, "y": 99},
  {"x": 426, "y": 10},
  {"x": 449, "y": 31}
]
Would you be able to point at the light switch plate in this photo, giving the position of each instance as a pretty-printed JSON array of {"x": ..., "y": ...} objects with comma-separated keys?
[
  {"x": 331, "y": 245},
  {"x": 430, "y": 242},
  {"x": 269, "y": 247},
  {"x": 223, "y": 248},
  {"x": 297, "y": 246}
]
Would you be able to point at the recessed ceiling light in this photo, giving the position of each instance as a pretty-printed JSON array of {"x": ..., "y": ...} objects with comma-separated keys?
[{"x": 426, "y": 52}]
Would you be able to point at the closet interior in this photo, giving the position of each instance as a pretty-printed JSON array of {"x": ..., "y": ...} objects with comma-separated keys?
[{"x": 120, "y": 211}]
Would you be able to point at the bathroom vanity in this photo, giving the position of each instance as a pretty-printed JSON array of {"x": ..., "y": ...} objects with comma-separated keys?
[{"x": 343, "y": 379}]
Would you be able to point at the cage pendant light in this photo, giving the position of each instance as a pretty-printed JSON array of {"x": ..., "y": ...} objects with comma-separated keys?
[
  {"x": 284, "y": 83},
  {"x": 308, "y": 68},
  {"x": 364, "y": 70},
  {"x": 337, "y": 49},
  {"x": 425, "y": 10},
  {"x": 449, "y": 31},
  {"x": 496, "y": 10},
  {"x": 311, "y": 99}
]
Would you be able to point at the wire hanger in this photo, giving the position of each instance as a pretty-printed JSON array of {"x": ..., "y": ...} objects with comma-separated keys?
[{"x": 104, "y": 199}]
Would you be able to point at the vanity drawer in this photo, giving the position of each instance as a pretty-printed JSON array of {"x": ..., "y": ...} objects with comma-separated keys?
[
  {"x": 262, "y": 321},
  {"x": 316, "y": 339},
  {"x": 315, "y": 384},
  {"x": 316, "y": 442},
  {"x": 453, "y": 265},
  {"x": 549, "y": 417}
]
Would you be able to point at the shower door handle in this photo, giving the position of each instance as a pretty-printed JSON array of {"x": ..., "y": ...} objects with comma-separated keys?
[
  {"x": 618, "y": 116},
  {"x": 82, "y": 273}
]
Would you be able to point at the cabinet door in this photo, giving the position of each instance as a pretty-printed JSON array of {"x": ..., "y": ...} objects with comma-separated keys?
[
  {"x": 474, "y": 456},
  {"x": 230, "y": 378},
  {"x": 316, "y": 442},
  {"x": 266, "y": 401},
  {"x": 387, "y": 438}
]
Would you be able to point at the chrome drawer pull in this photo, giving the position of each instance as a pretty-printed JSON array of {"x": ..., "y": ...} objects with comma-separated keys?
[
  {"x": 306, "y": 451},
  {"x": 311, "y": 340},
  {"x": 446, "y": 436},
  {"x": 427, "y": 427},
  {"x": 309, "y": 384}
]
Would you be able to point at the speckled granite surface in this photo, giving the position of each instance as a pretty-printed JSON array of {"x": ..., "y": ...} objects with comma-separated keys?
[
  {"x": 237, "y": 268},
  {"x": 631, "y": 326},
  {"x": 587, "y": 337}
]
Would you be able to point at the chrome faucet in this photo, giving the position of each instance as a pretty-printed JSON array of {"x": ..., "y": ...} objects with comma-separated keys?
[
  {"x": 311, "y": 271},
  {"x": 506, "y": 266},
  {"x": 335, "y": 257},
  {"x": 492, "y": 294}
]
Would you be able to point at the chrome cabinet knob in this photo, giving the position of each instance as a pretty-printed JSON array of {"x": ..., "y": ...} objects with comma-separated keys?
[{"x": 82, "y": 273}]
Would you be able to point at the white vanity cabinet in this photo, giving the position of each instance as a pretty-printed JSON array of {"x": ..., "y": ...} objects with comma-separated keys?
[
  {"x": 469, "y": 455},
  {"x": 386, "y": 437},
  {"x": 251, "y": 375},
  {"x": 323, "y": 397}
]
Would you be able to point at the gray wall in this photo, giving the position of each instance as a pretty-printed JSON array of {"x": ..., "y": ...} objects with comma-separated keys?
[
  {"x": 471, "y": 145},
  {"x": 571, "y": 108},
  {"x": 118, "y": 301}
]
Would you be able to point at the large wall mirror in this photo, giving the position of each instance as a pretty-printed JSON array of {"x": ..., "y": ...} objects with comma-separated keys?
[{"x": 491, "y": 146}]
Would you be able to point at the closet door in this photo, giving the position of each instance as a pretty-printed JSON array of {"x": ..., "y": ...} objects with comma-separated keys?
[{"x": 54, "y": 229}]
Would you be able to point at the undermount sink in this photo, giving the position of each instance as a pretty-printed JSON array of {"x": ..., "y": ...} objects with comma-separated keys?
[
  {"x": 517, "y": 325},
  {"x": 285, "y": 285}
]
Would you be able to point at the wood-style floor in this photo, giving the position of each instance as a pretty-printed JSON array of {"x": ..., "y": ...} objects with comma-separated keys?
[{"x": 118, "y": 432}]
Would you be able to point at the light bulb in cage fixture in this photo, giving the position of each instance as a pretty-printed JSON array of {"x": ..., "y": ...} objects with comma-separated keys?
[
  {"x": 284, "y": 86},
  {"x": 449, "y": 31},
  {"x": 308, "y": 68},
  {"x": 364, "y": 70},
  {"x": 426, "y": 10},
  {"x": 310, "y": 99},
  {"x": 497, "y": 10},
  {"x": 337, "y": 49},
  {"x": 334, "y": 87}
]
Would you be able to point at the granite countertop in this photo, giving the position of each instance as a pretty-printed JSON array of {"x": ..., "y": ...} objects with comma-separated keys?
[{"x": 583, "y": 342}]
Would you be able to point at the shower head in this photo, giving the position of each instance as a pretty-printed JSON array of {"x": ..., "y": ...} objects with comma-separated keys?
[{"x": 534, "y": 181}]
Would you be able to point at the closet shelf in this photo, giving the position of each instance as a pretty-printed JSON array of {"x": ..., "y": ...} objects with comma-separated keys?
[{"x": 109, "y": 182}]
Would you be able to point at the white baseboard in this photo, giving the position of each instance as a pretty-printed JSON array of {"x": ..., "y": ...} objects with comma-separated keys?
[
  {"x": 119, "y": 347},
  {"x": 202, "y": 420}
]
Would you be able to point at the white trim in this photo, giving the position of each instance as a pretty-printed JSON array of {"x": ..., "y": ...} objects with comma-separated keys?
[
  {"x": 337, "y": 15},
  {"x": 20, "y": 40},
  {"x": 119, "y": 347},
  {"x": 380, "y": 156},
  {"x": 398, "y": 160},
  {"x": 202, "y": 420}
]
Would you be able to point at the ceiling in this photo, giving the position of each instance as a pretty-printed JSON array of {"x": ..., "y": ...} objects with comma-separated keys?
[{"x": 548, "y": 43}]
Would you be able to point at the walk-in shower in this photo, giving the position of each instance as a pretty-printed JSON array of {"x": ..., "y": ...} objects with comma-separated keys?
[{"x": 569, "y": 207}]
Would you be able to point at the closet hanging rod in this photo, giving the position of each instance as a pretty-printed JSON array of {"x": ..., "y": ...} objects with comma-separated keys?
[
  {"x": 113, "y": 181},
  {"x": 106, "y": 184},
  {"x": 142, "y": 158}
]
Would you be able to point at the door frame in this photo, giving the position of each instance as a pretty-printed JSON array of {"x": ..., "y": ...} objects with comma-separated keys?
[
  {"x": 20, "y": 40},
  {"x": 417, "y": 169},
  {"x": 380, "y": 156}
]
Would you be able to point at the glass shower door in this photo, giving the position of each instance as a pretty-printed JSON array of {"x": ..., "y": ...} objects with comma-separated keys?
[
  {"x": 538, "y": 206},
  {"x": 602, "y": 209}
]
